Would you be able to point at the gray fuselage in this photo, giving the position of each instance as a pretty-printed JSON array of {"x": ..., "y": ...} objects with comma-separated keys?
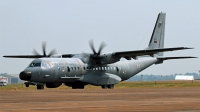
[{"x": 47, "y": 70}]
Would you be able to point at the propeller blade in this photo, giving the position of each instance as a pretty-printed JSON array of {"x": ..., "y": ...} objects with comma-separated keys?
[
  {"x": 92, "y": 47},
  {"x": 35, "y": 52},
  {"x": 52, "y": 52},
  {"x": 44, "y": 48},
  {"x": 85, "y": 57},
  {"x": 103, "y": 44}
]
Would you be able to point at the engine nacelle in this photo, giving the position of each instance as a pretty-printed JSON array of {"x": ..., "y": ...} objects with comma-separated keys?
[
  {"x": 53, "y": 85},
  {"x": 108, "y": 58},
  {"x": 56, "y": 56}
]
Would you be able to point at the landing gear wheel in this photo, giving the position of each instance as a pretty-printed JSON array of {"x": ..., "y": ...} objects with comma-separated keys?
[
  {"x": 40, "y": 87},
  {"x": 78, "y": 87},
  {"x": 27, "y": 85},
  {"x": 111, "y": 86},
  {"x": 81, "y": 87},
  {"x": 104, "y": 86},
  {"x": 74, "y": 87}
]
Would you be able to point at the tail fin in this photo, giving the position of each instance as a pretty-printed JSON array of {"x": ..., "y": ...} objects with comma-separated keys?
[{"x": 157, "y": 37}]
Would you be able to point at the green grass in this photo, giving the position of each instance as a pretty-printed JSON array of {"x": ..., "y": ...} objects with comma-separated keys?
[{"x": 157, "y": 84}]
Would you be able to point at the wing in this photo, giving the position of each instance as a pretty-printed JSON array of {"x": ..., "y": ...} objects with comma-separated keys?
[
  {"x": 23, "y": 56},
  {"x": 118, "y": 54},
  {"x": 38, "y": 56},
  {"x": 147, "y": 52}
]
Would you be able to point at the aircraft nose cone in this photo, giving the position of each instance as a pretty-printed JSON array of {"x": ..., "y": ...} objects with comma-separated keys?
[{"x": 25, "y": 75}]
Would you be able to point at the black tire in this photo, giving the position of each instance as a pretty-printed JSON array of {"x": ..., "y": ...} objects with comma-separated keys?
[
  {"x": 104, "y": 86},
  {"x": 74, "y": 87},
  {"x": 78, "y": 87},
  {"x": 27, "y": 85},
  {"x": 40, "y": 87},
  {"x": 81, "y": 87},
  {"x": 111, "y": 86}
]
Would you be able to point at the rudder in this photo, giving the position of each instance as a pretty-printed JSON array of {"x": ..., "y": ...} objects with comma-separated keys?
[{"x": 157, "y": 37}]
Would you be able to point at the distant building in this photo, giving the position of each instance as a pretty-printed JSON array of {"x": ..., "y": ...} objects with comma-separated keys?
[
  {"x": 184, "y": 77},
  {"x": 12, "y": 78},
  {"x": 3, "y": 81}
]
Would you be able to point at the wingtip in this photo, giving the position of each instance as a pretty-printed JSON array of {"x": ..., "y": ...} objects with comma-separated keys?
[
  {"x": 195, "y": 57},
  {"x": 188, "y": 47},
  {"x": 192, "y": 57}
]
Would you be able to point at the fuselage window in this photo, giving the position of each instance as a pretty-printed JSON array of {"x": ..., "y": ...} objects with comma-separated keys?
[
  {"x": 68, "y": 69},
  {"x": 78, "y": 68},
  {"x": 74, "y": 68},
  {"x": 117, "y": 69},
  {"x": 102, "y": 68},
  {"x": 99, "y": 68},
  {"x": 84, "y": 68},
  {"x": 96, "y": 68},
  {"x": 105, "y": 68}
]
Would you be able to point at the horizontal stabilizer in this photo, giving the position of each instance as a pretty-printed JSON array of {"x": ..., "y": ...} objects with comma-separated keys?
[{"x": 161, "y": 59}]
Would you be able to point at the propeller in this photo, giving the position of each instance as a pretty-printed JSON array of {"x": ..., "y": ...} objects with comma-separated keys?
[
  {"x": 96, "y": 55},
  {"x": 44, "y": 51}
]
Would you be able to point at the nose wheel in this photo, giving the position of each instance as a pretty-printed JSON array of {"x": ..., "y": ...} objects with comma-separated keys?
[{"x": 27, "y": 85}]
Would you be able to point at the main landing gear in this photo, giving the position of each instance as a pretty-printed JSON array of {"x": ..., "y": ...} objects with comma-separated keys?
[
  {"x": 40, "y": 87},
  {"x": 77, "y": 86},
  {"x": 107, "y": 86}
]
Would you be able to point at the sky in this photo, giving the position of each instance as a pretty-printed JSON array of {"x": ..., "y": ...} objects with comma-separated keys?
[{"x": 68, "y": 25}]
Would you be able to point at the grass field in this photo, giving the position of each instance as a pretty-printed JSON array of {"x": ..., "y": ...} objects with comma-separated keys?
[{"x": 155, "y": 84}]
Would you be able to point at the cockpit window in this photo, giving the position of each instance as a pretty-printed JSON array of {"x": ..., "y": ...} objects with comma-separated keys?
[
  {"x": 35, "y": 64},
  {"x": 45, "y": 65}
]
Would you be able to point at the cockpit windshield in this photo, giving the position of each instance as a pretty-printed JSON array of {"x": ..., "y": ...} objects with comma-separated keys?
[{"x": 35, "y": 64}]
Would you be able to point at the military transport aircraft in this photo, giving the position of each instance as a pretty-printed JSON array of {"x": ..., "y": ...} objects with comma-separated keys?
[{"x": 97, "y": 68}]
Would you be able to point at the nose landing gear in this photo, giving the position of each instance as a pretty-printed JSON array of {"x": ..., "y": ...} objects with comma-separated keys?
[
  {"x": 40, "y": 86},
  {"x": 26, "y": 84}
]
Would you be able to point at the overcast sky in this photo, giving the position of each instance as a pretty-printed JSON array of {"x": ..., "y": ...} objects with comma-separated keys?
[{"x": 68, "y": 25}]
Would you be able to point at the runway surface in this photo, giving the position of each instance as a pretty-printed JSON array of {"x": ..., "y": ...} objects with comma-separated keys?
[{"x": 98, "y": 100}]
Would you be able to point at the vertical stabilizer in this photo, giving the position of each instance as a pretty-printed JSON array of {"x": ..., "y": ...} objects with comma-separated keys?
[{"x": 157, "y": 37}]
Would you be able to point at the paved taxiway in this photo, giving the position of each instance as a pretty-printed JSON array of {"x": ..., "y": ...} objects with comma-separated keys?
[{"x": 132, "y": 99}]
